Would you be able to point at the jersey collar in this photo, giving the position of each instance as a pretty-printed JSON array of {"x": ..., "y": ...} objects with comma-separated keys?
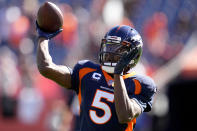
[{"x": 110, "y": 80}]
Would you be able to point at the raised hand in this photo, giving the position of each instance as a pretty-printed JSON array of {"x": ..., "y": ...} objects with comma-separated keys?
[
  {"x": 47, "y": 35},
  {"x": 125, "y": 60}
]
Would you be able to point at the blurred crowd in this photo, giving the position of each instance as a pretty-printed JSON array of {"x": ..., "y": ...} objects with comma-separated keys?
[{"x": 29, "y": 101}]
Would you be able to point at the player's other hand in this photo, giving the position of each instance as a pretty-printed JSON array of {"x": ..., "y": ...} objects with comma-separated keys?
[
  {"x": 46, "y": 35},
  {"x": 125, "y": 60}
]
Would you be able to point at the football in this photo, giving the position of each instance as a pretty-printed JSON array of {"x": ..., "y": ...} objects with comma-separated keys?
[{"x": 49, "y": 17}]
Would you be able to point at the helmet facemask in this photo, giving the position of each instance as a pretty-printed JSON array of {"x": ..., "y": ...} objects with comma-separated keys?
[{"x": 111, "y": 52}]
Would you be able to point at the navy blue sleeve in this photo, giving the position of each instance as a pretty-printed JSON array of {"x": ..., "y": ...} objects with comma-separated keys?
[
  {"x": 75, "y": 75},
  {"x": 145, "y": 97}
]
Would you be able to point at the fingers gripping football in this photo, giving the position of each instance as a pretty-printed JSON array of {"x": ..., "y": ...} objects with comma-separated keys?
[{"x": 46, "y": 35}]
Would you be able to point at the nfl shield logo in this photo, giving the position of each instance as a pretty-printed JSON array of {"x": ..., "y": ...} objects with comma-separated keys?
[{"x": 110, "y": 83}]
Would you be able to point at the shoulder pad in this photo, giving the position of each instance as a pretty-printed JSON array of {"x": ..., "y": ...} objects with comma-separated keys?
[
  {"x": 87, "y": 63},
  {"x": 147, "y": 82},
  {"x": 82, "y": 62}
]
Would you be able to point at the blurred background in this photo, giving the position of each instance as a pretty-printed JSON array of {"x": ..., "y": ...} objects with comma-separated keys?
[{"x": 31, "y": 102}]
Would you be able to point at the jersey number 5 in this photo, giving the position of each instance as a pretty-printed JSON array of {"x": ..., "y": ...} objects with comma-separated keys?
[{"x": 97, "y": 103}]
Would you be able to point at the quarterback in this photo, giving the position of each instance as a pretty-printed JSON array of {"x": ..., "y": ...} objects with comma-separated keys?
[{"x": 110, "y": 96}]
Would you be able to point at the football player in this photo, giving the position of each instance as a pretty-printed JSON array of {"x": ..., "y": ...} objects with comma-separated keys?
[{"x": 110, "y": 97}]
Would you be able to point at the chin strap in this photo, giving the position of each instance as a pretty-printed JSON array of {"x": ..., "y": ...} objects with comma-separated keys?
[{"x": 108, "y": 69}]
